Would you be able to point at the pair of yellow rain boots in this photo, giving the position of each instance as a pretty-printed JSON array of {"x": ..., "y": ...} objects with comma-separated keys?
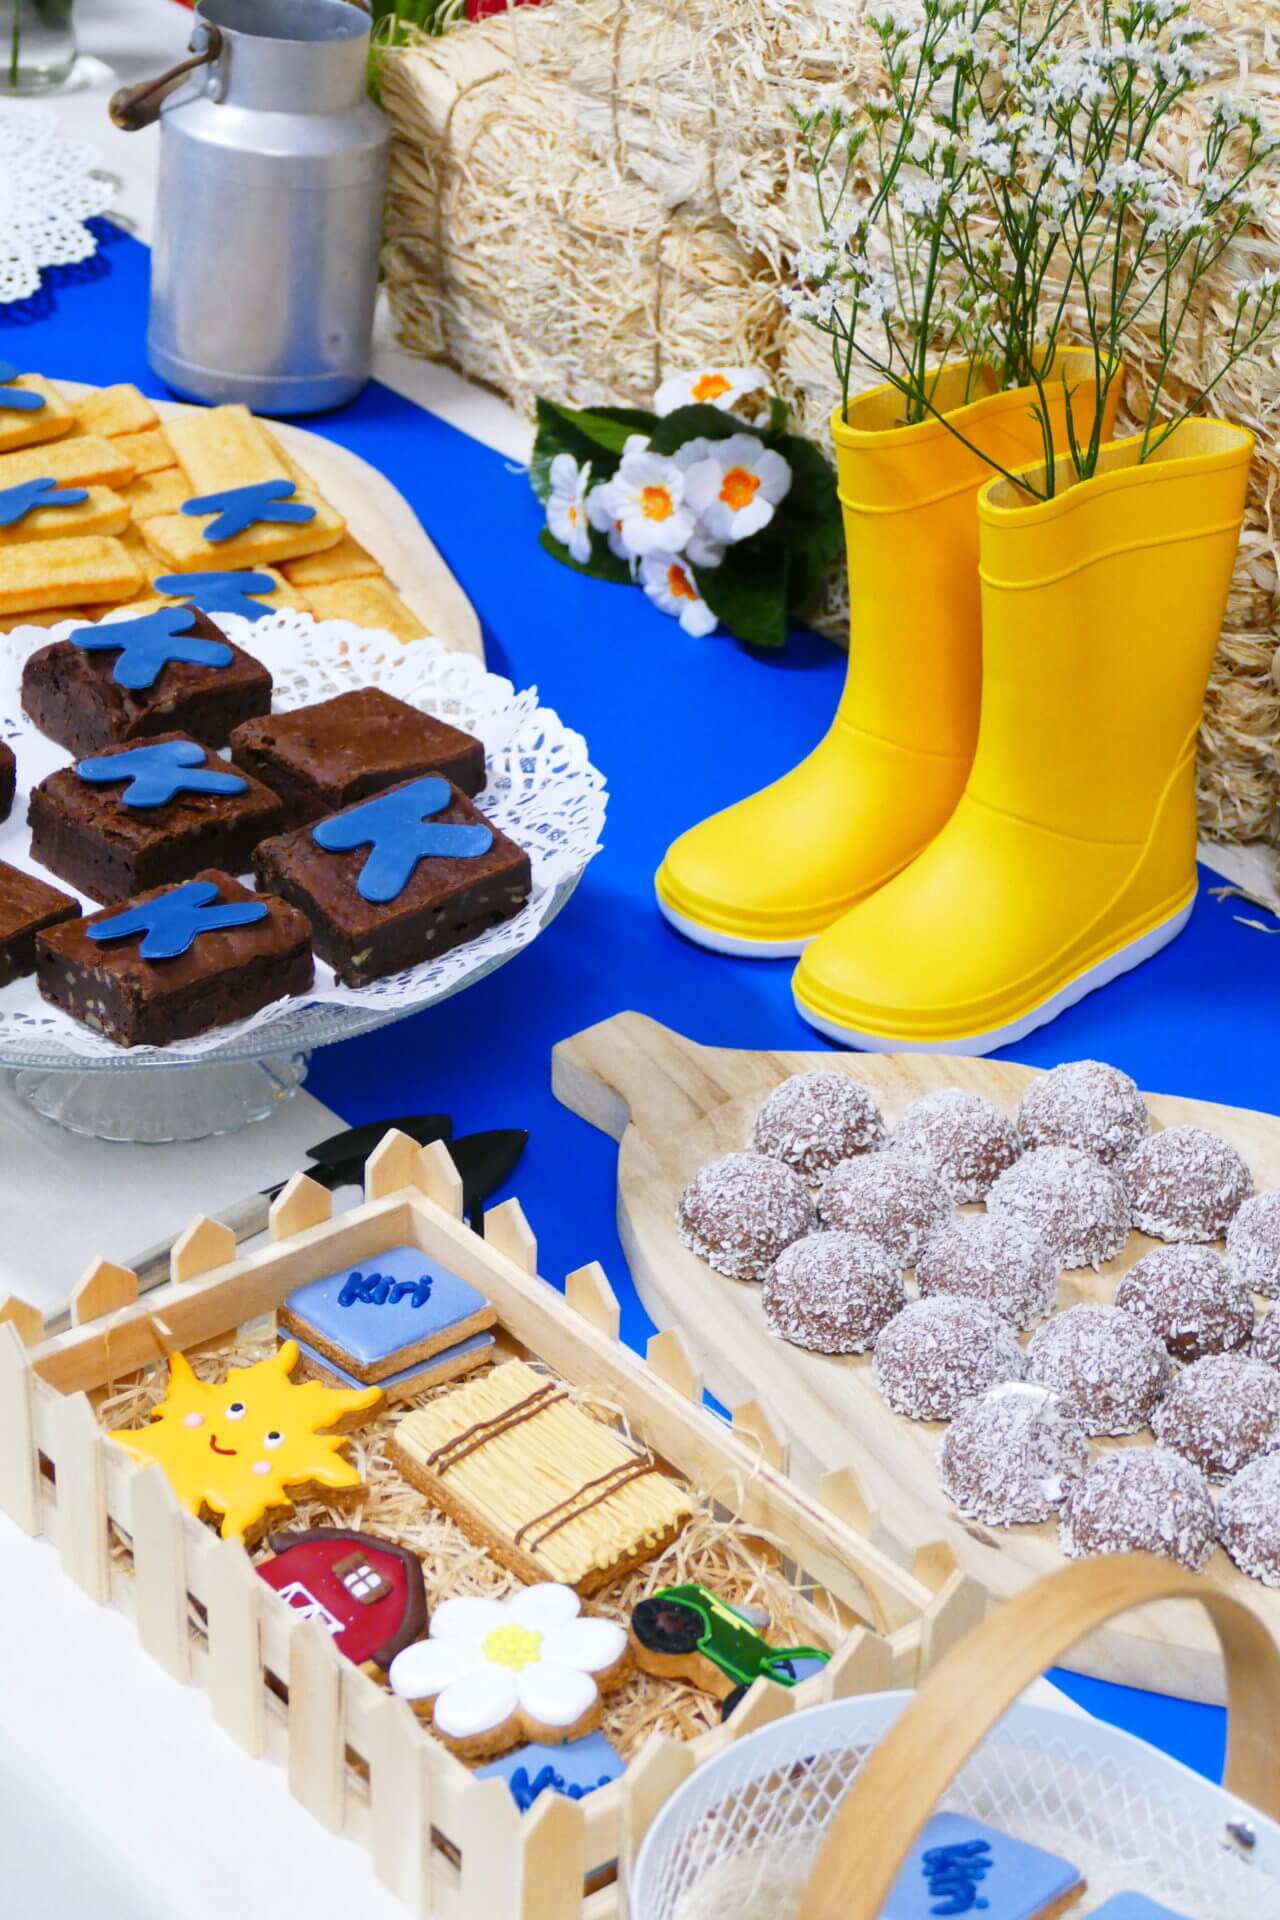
[{"x": 1002, "y": 815}]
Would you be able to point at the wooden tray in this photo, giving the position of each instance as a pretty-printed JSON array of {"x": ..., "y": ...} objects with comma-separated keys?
[
  {"x": 378, "y": 516},
  {"x": 674, "y": 1105}
]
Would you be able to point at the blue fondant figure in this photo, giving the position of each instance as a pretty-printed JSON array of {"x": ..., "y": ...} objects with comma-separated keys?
[
  {"x": 16, "y": 399},
  {"x": 239, "y": 508},
  {"x": 149, "y": 643},
  {"x": 397, "y": 829},
  {"x": 157, "y": 774},
  {"x": 227, "y": 592},
  {"x": 171, "y": 923},
  {"x": 17, "y": 502}
]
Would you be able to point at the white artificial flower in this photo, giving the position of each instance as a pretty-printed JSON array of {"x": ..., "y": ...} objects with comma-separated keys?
[
  {"x": 488, "y": 1662},
  {"x": 649, "y": 493},
  {"x": 669, "y": 584},
  {"x": 703, "y": 550},
  {"x": 602, "y": 512},
  {"x": 722, "y": 387},
  {"x": 567, "y": 507},
  {"x": 735, "y": 491}
]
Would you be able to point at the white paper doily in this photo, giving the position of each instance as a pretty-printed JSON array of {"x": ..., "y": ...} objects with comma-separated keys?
[
  {"x": 49, "y": 187},
  {"x": 541, "y": 790}
]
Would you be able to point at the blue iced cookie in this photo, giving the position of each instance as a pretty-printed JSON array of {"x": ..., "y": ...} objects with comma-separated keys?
[
  {"x": 576, "y": 1769},
  {"x": 958, "y": 1866},
  {"x": 396, "y": 1317},
  {"x": 1134, "y": 1906}
]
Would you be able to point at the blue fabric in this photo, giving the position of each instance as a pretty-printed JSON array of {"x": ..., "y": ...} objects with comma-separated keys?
[{"x": 679, "y": 726}]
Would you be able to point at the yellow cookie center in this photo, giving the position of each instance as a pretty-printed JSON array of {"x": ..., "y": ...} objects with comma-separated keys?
[
  {"x": 739, "y": 488},
  {"x": 513, "y": 1647},
  {"x": 657, "y": 503},
  {"x": 709, "y": 387}
]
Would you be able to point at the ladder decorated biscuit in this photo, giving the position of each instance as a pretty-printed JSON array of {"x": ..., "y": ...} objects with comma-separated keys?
[
  {"x": 958, "y": 1866},
  {"x": 240, "y": 1449},
  {"x": 367, "y": 1593}
]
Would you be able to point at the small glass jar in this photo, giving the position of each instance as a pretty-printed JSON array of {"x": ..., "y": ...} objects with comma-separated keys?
[{"x": 37, "y": 44}]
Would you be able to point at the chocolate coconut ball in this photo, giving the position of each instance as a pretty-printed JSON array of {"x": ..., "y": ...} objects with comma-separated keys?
[
  {"x": 815, "y": 1120},
  {"x": 890, "y": 1199},
  {"x": 999, "y": 1263},
  {"x": 1221, "y": 1412},
  {"x": 1009, "y": 1457},
  {"x": 1085, "y": 1104},
  {"x": 1111, "y": 1367},
  {"x": 1070, "y": 1200},
  {"x": 739, "y": 1213},
  {"x": 1253, "y": 1242},
  {"x": 832, "y": 1292},
  {"x": 1266, "y": 1339},
  {"x": 1186, "y": 1184},
  {"x": 962, "y": 1137},
  {"x": 1249, "y": 1519},
  {"x": 1188, "y": 1298},
  {"x": 1140, "y": 1500},
  {"x": 936, "y": 1354}
]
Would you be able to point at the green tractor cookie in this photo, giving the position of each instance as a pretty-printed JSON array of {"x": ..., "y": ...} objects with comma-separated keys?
[{"x": 687, "y": 1633}]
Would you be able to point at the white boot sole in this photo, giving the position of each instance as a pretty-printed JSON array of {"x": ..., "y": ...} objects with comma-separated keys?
[
  {"x": 976, "y": 1044},
  {"x": 730, "y": 943}
]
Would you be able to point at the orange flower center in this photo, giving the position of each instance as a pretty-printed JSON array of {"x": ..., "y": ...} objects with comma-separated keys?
[
  {"x": 739, "y": 488},
  {"x": 678, "y": 581},
  {"x": 573, "y": 516},
  {"x": 709, "y": 386},
  {"x": 657, "y": 503}
]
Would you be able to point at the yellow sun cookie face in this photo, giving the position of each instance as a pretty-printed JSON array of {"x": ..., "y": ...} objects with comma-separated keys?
[{"x": 235, "y": 1447}]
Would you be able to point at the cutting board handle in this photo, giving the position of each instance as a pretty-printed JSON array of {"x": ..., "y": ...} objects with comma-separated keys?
[
  {"x": 968, "y": 1691},
  {"x": 630, "y": 1068}
]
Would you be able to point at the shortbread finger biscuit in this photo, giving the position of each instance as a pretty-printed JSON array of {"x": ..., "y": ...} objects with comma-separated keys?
[
  {"x": 42, "y": 617},
  {"x": 366, "y": 603},
  {"x": 155, "y": 493},
  {"x": 79, "y": 460},
  {"x": 29, "y": 426},
  {"x": 179, "y": 545},
  {"x": 88, "y": 571},
  {"x": 101, "y": 511},
  {"x": 112, "y": 410},
  {"x": 150, "y": 451},
  {"x": 347, "y": 561},
  {"x": 281, "y": 597},
  {"x": 227, "y": 448}
]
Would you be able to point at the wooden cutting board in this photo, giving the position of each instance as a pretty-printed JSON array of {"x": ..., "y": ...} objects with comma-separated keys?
[{"x": 674, "y": 1105}]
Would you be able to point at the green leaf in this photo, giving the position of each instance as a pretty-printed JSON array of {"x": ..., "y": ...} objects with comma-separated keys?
[
  {"x": 808, "y": 523},
  {"x": 777, "y": 417},
  {"x": 748, "y": 593},
  {"x": 602, "y": 565},
  {"x": 598, "y": 437},
  {"x": 697, "y": 423}
]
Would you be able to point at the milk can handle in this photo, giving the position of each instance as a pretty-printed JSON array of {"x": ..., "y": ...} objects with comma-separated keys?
[{"x": 135, "y": 107}]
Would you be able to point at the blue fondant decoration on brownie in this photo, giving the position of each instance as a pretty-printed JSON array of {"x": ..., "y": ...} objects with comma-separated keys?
[
  {"x": 17, "y": 502},
  {"x": 147, "y": 645},
  {"x": 398, "y": 830},
  {"x": 576, "y": 1769},
  {"x": 171, "y": 923},
  {"x": 221, "y": 592},
  {"x": 239, "y": 508},
  {"x": 1134, "y": 1906},
  {"x": 957, "y": 1866},
  {"x": 379, "y": 1307},
  {"x": 16, "y": 399},
  {"x": 158, "y": 774}
]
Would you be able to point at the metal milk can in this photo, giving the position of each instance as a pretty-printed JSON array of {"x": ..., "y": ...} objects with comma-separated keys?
[{"x": 273, "y": 162}]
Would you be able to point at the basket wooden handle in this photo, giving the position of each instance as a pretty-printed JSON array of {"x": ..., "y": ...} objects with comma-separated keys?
[{"x": 899, "y": 1785}]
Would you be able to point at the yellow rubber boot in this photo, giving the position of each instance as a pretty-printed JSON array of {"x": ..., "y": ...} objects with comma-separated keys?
[
  {"x": 1071, "y": 856},
  {"x": 766, "y": 875}
]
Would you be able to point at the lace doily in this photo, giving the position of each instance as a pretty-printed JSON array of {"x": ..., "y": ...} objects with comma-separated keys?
[
  {"x": 542, "y": 791},
  {"x": 49, "y": 187}
]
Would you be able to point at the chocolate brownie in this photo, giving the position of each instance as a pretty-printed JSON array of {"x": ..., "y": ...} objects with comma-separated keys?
[
  {"x": 173, "y": 963},
  {"x": 404, "y": 877},
  {"x": 323, "y": 758},
  {"x": 74, "y": 690},
  {"x": 26, "y": 906},
  {"x": 8, "y": 780},
  {"x": 146, "y": 815}
]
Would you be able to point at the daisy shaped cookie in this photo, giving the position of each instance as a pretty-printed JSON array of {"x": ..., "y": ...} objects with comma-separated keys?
[{"x": 494, "y": 1672}]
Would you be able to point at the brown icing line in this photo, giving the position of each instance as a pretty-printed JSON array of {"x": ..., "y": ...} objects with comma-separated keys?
[
  {"x": 483, "y": 1431},
  {"x": 621, "y": 1476}
]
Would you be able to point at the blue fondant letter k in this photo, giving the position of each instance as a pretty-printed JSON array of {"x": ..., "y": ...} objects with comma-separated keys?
[{"x": 399, "y": 832}]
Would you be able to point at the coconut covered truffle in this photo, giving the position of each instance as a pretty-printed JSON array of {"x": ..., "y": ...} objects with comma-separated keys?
[
  {"x": 1266, "y": 1339},
  {"x": 999, "y": 1263},
  {"x": 1140, "y": 1500},
  {"x": 832, "y": 1292},
  {"x": 739, "y": 1213},
  {"x": 1111, "y": 1367},
  {"x": 1249, "y": 1519},
  {"x": 1253, "y": 1242},
  {"x": 1221, "y": 1413},
  {"x": 892, "y": 1200},
  {"x": 1070, "y": 1200},
  {"x": 815, "y": 1120},
  {"x": 1187, "y": 1297},
  {"x": 963, "y": 1138},
  {"x": 1186, "y": 1184},
  {"x": 1085, "y": 1104},
  {"x": 936, "y": 1354},
  {"x": 1010, "y": 1456}
]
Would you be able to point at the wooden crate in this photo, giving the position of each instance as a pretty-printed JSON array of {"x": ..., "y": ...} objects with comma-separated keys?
[{"x": 443, "y": 1841}]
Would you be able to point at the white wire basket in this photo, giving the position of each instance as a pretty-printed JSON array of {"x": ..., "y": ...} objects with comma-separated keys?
[{"x": 811, "y": 1817}]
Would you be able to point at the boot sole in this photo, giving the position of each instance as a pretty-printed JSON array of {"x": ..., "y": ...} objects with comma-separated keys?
[
  {"x": 733, "y": 944},
  {"x": 975, "y": 1045}
]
